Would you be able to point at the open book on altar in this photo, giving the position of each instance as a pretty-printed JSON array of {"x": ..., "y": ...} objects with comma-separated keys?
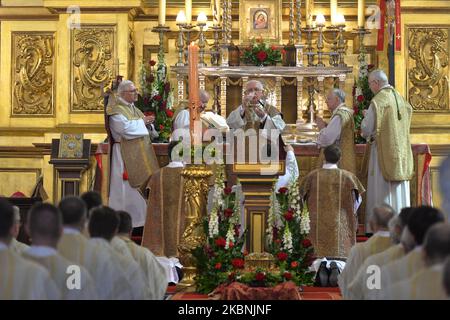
[{"x": 214, "y": 121}]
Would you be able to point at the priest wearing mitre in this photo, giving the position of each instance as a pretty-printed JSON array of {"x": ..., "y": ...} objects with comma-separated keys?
[
  {"x": 333, "y": 196},
  {"x": 133, "y": 158}
]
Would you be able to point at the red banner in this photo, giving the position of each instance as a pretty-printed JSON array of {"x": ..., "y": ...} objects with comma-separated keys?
[
  {"x": 380, "y": 39},
  {"x": 398, "y": 26}
]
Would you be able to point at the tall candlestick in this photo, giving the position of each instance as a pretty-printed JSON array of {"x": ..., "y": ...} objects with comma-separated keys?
[
  {"x": 216, "y": 12},
  {"x": 162, "y": 12},
  {"x": 361, "y": 12},
  {"x": 194, "y": 99},
  {"x": 333, "y": 11},
  {"x": 188, "y": 9}
]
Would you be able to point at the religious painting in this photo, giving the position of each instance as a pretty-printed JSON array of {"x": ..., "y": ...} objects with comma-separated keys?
[{"x": 260, "y": 19}]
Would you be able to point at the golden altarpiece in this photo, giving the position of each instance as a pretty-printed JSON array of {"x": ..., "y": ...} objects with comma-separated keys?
[{"x": 56, "y": 59}]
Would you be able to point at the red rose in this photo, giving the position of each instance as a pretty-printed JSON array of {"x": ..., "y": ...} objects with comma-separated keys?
[
  {"x": 161, "y": 127},
  {"x": 227, "y": 191},
  {"x": 221, "y": 242},
  {"x": 294, "y": 264},
  {"x": 238, "y": 263},
  {"x": 289, "y": 215},
  {"x": 370, "y": 66},
  {"x": 260, "y": 276},
  {"x": 125, "y": 175},
  {"x": 237, "y": 230},
  {"x": 218, "y": 266},
  {"x": 228, "y": 212},
  {"x": 157, "y": 97},
  {"x": 282, "y": 256},
  {"x": 167, "y": 87},
  {"x": 273, "y": 47},
  {"x": 230, "y": 245},
  {"x": 283, "y": 190},
  {"x": 355, "y": 109},
  {"x": 169, "y": 113},
  {"x": 152, "y": 62},
  {"x": 287, "y": 275},
  {"x": 306, "y": 243},
  {"x": 360, "y": 98},
  {"x": 261, "y": 56}
]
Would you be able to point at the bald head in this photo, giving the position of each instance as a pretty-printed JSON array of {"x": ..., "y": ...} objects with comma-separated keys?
[
  {"x": 44, "y": 224},
  {"x": 380, "y": 217},
  {"x": 437, "y": 243},
  {"x": 204, "y": 98}
]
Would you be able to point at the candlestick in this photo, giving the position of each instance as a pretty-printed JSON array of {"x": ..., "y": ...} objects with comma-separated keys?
[
  {"x": 162, "y": 12},
  {"x": 309, "y": 8},
  {"x": 161, "y": 30},
  {"x": 298, "y": 21}
]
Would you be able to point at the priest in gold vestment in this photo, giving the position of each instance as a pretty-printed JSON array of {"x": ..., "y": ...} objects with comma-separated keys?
[
  {"x": 333, "y": 196},
  {"x": 340, "y": 131},
  {"x": 386, "y": 127},
  {"x": 166, "y": 209}
]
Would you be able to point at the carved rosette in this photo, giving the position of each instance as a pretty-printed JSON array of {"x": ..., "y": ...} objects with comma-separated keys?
[
  {"x": 195, "y": 195},
  {"x": 92, "y": 66},
  {"x": 33, "y": 73},
  {"x": 428, "y": 55}
]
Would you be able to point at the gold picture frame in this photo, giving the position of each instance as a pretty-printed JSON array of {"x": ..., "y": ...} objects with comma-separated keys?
[{"x": 260, "y": 19}]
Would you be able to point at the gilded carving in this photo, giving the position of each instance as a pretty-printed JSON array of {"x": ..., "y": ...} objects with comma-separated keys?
[
  {"x": 92, "y": 66},
  {"x": 428, "y": 70},
  {"x": 32, "y": 73}
]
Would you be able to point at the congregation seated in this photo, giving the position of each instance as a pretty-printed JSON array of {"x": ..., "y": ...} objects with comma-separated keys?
[
  {"x": 76, "y": 247},
  {"x": 427, "y": 282},
  {"x": 103, "y": 226},
  {"x": 20, "y": 278},
  {"x": 44, "y": 226},
  {"x": 421, "y": 219},
  {"x": 153, "y": 270},
  {"x": 17, "y": 246},
  {"x": 357, "y": 288},
  {"x": 378, "y": 242}
]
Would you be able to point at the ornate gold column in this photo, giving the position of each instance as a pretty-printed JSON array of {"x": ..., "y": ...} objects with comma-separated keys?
[{"x": 195, "y": 196}]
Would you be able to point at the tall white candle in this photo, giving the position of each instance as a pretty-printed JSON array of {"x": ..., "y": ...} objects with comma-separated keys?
[
  {"x": 361, "y": 12},
  {"x": 162, "y": 12},
  {"x": 333, "y": 11},
  {"x": 188, "y": 10}
]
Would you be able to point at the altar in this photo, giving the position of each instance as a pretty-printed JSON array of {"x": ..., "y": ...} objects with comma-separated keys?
[{"x": 307, "y": 156}]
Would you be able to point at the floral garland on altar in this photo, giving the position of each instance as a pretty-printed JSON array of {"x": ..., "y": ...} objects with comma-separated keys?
[
  {"x": 221, "y": 259},
  {"x": 362, "y": 95}
]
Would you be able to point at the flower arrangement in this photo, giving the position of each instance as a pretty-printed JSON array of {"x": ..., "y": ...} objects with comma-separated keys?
[
  {"x": 259, "y": 53},
  {"x": 362, "y": 95},
  {"x": 156, "y": 98},
  {"x": 222, "y": 261},
  {"x": 286, "y": 234}
]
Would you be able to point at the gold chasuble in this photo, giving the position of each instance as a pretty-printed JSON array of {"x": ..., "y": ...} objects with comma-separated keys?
[
  {"x": 346, "y": 141},
  {"x": 164, "y": 225},
  {"x": 138, "y": 155},
  {"x": 331, "y": 201},
  {"x": 393, "y": 120},
  {"x": 254, "y": 122}
]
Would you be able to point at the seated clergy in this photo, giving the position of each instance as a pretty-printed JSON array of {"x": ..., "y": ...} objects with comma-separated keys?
[
  {"x": 378, "y": 242},
  {"x": 153, "y": 270},
  {"x": 109, "y": 281},
  {"x": 421, "y": 219},
  {"x": 103, "y": 226},
  {"x": 427, "y": 283},
  {"x": 358, "y": 289},
  {"x": 44, "y": 226},
  {"x": 20, "y": 279},
  {"x": 17, "y": 246},
  {"x": 333, "y": 196}
]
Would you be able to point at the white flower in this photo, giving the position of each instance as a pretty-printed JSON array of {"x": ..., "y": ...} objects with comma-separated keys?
[
  {"x": 230, "y": 236},
  {"x": 287, "y": 239},
  {"x": 304, "y": 221},
  {"x": 213, "y": 224}
]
